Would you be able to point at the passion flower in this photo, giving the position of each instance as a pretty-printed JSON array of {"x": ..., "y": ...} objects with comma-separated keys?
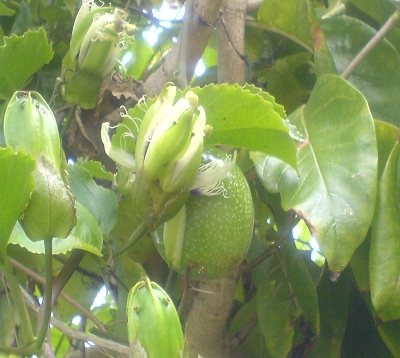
[
  {"x": 167, "y": 155},
  {"x": 211, "y": 234}
]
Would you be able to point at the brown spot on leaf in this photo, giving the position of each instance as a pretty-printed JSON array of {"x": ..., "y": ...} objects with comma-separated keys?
[{"x": 334, "y": 275}]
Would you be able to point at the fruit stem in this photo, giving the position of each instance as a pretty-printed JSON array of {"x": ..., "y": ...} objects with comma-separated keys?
[
  {"x": 68, "y": 119},
  {"x": 140, "y": 231},
  {"x": 45, "y": 309}
]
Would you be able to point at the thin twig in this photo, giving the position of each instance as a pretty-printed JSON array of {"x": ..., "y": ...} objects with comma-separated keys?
[
  {"x": 74, "y": 334},
  {"x": 379, "y": 36},
  {"x": 66, "y": 297},
  {"x": 245, "y": 331}
]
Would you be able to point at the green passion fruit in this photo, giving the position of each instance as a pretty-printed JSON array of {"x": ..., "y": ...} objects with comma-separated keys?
[{"x": 218, "y": 229}]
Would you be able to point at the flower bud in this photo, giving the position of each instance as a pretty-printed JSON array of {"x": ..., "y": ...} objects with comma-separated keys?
[
  {"x": 167, "y": 155},
  {"x": 153, "y": 323},
  {"x": 30, "y": 125},
  {"x": 170, "y": 140},
  {"x": 99, "y": 35}
]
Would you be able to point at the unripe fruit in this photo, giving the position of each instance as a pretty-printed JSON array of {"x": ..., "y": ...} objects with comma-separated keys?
[{"x": 218, "y": 228}]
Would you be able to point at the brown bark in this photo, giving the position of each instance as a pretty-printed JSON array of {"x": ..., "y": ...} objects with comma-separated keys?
[
  {"x": 206, "y": 324},
  {"x": 204, "y": 15}
]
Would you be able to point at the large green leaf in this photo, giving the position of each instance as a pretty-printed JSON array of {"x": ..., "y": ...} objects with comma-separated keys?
[
  {"x": 379, "y": 84},
  {"x": 288, "y": 18},
  {"x": 21, "y": 57},
  {"x": 385, "y": 244},
  {"x": 242, "y": 119},
  {"x": 16, "y": 184},
  {"x": 101, "y": 202},
  {"x": 86, "y": 235},
  {"x": 336, "y": 188}
]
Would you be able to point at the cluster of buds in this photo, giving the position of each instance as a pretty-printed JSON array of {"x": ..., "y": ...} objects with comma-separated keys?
[
  {"x": 30, "y": 125},
  {"x": 98, "y": 37},
  {"x": 167, "y": 161}
]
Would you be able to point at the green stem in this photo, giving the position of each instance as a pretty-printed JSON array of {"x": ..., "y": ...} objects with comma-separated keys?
[
  {"x": 26, "y": 335},
  {"x": 68, "y": 119},
  {"x": 65, "y": 274},
  {"x": 379, "y": 36},
  {"x": 45, "y": 312},
  {"x": 137, "y": 234}
]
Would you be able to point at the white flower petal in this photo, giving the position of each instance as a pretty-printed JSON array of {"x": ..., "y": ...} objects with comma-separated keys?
[
  {"x": 211, "y": 173},
  {"x": 116, "y": 154}
]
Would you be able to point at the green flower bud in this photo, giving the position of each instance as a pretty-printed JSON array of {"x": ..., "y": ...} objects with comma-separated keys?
[
  {"x": 99, "y": 35},
  {"x": 153, "y": 323},
  {"x": 30, "y": 125},
  {"x": 167, "y": 154}
]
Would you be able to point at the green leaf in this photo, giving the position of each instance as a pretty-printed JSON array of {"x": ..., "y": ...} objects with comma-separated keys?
[
  {"x": 384, "y": 266},
  {"x": 302, "y": 286},
  {"x": 283, "y": 82},
  {"x": 21, "y": 57},
  {"x": 96, "y": 169},
  {"x": 359, "y": 264},
  {"x": 379, "y": 84},
  {"x": 16, "y": 184},
  {"x": 333, "y": 302},
  {"x": 101, "y": 202},
  {"x": 288, "y": 18},
  {"x": 335, "y": 191},
  {"x": 323, "y": 60},
  {"x": 379, "y": 10},
  {"x": 242, "y": 119},
  {"x": 86, "y": 235},
  {"x": 387, "y": 135},
  {"x": 276, "y": 310},
  {"x": 70, "y": 4},
  {"x": 5, "y": 10},
  {"x": 141, "y": 53},
  {"x": 390, "y": 333}
]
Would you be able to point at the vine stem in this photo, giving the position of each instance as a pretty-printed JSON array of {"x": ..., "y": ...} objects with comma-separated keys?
[
  {"x": 45, "y": 312},
  {"x": 376, "y": 39},
  {"x": 68, "y": 119},
  {"x": 137, "y": 234}
]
